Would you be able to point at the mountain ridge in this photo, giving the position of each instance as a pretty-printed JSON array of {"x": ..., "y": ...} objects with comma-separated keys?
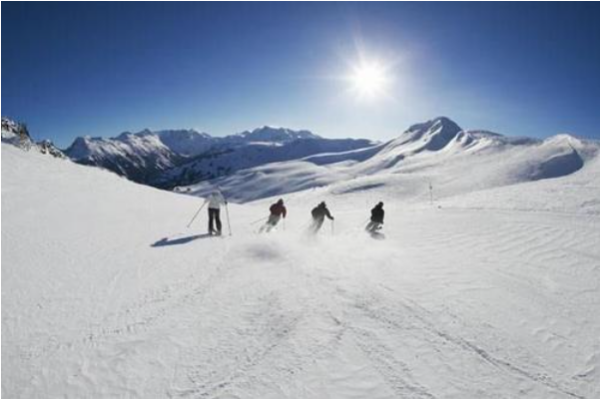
[
  {"x": 475, "y": 159},
  {"x": 146, "y": 155},
  {"x": 17, "y": 134},
  {"x": 272, "y": 161}
]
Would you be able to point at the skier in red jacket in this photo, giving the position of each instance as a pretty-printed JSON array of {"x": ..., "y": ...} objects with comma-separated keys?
[{"x": 278, "y": 211}]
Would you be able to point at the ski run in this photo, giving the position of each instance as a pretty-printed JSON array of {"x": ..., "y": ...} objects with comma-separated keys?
[{"x": 491, "y": 292}]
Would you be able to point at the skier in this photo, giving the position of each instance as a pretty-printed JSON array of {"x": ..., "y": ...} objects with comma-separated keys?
[
  {"x": 215, "y": 200},
  {"x": 376, "y": 222},
  {"x": 278, "y": 211},
  {"x": 318, "y": 215}
]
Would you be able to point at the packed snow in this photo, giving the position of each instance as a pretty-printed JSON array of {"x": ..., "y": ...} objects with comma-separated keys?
[{"x": 481, "y": 290}]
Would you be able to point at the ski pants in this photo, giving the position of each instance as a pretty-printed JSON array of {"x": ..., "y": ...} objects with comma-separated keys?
[
  {"x": 214, "y": 216},
  {"x": 270, "y": 224},
  {"x": 373, "y": 226},
  {"x": 273, "y": 219},
  {"x": 317, "y": 223}
]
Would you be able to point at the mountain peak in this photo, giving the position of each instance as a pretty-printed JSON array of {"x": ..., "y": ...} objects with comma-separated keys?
[
  {"x": 432, "y": 135},
  {"x": 16, "y": 133},
  {"x": 442, "y": 124},
  {"x": 124, "y": 136},
  {"x": 275, "y": 134},
  {"x": 12, "y": 128},
  {"x": 80, "y": 148}
]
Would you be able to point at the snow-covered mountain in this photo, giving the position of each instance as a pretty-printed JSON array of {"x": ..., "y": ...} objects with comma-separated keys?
[
  {"x": 267, "y": 134},
  {"x": 139, "y": 156},
  {"x": 488, "y": 293},
  {"x": 143, "y": 155},
  {"x": 437, "y": 153},
  {"x": 169, "y": 158},
  {"x": 225, "y": 159},
  {"x": 17, "y": 134}
]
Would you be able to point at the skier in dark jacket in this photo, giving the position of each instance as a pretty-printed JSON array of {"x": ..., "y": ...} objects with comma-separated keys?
[
  {"x": 318, "y": 214},
  {"x": 377, "y": 214},
  {"x": 278, "y": 211}
]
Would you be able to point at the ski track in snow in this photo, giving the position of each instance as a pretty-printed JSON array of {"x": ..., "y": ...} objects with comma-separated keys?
[{"x": 454, "y": 303}]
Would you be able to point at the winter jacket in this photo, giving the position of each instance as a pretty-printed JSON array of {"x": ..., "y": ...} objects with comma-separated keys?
[
  {"x": 377, "y": 214},
  {"x": 215, "y": 200},
  {"x": 278, "y": 210},
  {"x": 320, "y": 212}
]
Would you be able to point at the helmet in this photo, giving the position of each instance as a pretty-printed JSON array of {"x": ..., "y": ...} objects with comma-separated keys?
[
  {"x": 280, "y": 201},
  {"x": 380, "y": 204}
]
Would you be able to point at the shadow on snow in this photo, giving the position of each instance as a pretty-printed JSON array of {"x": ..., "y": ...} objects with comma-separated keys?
[{"x": 166, "y": 241}]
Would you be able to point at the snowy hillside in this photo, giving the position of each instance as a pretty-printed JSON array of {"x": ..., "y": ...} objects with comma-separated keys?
[
  {"x": 496, "y": 294},
  {"x": 190, "y": 156},
  {"x": 225, "y": 160},
  {"x": 437, "y": 152}
]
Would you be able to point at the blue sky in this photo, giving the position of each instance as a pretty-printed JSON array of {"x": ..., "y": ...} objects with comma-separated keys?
[{"x": 71, "y": 69}]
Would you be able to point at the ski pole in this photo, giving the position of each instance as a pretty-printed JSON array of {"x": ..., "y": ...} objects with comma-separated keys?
[
  {"x": 259, "y": 220},
  {"x": 430, "y": 194},
  {"x": 197, "y": 213},
  {"x": 332, "y": 223},
  {"x": 228, "y": 222}
]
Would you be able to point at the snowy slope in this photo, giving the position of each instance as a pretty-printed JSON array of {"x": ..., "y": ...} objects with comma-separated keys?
[
  {"x": 106, "y": 294},
  {"x": 437, "y": 152},
  {"x": 576, "y": 193}
]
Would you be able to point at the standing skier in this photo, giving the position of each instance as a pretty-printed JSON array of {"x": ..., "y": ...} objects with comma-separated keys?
[
  {"x": 376, "y": 222},
  {"x": 215, "y": 200},
  {"x": 278, "y": 211},
  {"x": 318, "y": 215}
]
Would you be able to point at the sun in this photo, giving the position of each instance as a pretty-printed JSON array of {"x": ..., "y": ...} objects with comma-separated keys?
[{"x": 369, "y": 80}]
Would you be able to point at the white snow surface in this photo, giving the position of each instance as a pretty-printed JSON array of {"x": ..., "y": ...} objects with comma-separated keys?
[{"x": 486, "y": 293}]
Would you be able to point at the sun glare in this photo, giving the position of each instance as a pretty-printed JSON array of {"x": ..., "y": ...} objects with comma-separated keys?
[{"x": 369, "y": 80}]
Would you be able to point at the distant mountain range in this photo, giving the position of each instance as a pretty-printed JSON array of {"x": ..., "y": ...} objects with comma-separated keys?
[
  {"x": 272, "y": 161},
  {"x": 170, "y": 158},
  {"x": 434, "y": 153}
]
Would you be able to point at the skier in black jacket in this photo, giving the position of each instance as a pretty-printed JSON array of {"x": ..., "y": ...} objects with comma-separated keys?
[
  {"x": 318, "y": 214},
  {"x": 377, "y": 214}
]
